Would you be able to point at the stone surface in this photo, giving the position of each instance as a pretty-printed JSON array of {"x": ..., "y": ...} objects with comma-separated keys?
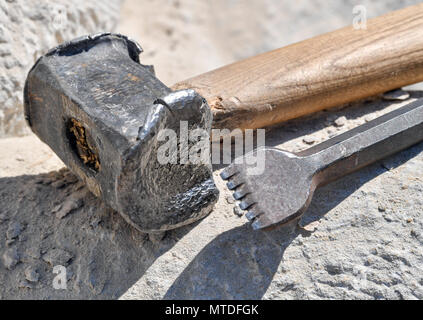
[
  {"x": 71, "y": 204},
  {"x": 309, "y": 140},
  {"x": 238, "y": 211},
  {"x": 31, "y": 274},
  {"x": 27, "y": 30},
  {"x": 361, "y": 237},
  {"x": 57, "y": 256},
  {"x": 340, "y": 121},
  {"x": 10, "y": 258},
  {"x": 14, "y": 230}
]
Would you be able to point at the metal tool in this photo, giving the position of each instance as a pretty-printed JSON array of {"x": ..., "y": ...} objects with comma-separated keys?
[
  {"x": 284, "y": 190},
  {"x": 101, "y": 110}
]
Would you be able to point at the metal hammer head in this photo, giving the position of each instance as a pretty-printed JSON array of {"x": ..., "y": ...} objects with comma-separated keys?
[{"x": 102, "y": 112}]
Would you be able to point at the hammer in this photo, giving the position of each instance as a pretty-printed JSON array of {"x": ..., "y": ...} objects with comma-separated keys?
[{"x": 103, "y": 112}]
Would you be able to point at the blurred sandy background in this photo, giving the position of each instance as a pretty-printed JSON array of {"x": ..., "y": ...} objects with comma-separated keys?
[{"x": 183, "y": 38}]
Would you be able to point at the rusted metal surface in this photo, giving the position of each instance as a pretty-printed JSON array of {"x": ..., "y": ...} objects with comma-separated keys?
[
  {"x": 284, "y": 190},
  {"x": 101, "y": 110}
]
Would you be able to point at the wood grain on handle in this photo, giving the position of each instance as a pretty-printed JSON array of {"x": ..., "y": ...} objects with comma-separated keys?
[{"x": 315, "y": 74}]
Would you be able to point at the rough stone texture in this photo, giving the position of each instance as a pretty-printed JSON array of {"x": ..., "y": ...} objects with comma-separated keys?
[
  {"x": 31, "y": 274},
  {"x": 10, "y": 258},
  {"x": 27, "y": 30},
  {"x": 361, "y": 237}
]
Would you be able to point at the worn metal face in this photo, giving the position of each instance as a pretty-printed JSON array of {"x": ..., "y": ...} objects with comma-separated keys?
[
  {"x": 101, "y": 111},
  {"x": 284, "y": 190}
]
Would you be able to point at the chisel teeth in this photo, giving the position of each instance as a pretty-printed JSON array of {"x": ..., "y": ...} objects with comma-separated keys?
[
  {"x": 237, "y": 195},
  {"x": 225, "y": 175},
  {"x": 246, "y": 203},
  {"x": 275, "y": 194},
  {"x": 261, "y": 222},
  {"x": 233, "y": 184},
  {"x": 241, "y": 192},
  {"x": 251, "y": 215},
  {"x": 228, "y": 172},
  {"x": 234, "y": 181}
]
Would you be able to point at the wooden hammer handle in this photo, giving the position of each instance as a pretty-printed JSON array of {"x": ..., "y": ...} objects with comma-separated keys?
[{"x": 315, "y": 74}]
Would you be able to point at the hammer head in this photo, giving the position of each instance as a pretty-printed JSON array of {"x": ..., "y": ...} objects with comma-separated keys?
[{"x": 103, "y": 113}]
